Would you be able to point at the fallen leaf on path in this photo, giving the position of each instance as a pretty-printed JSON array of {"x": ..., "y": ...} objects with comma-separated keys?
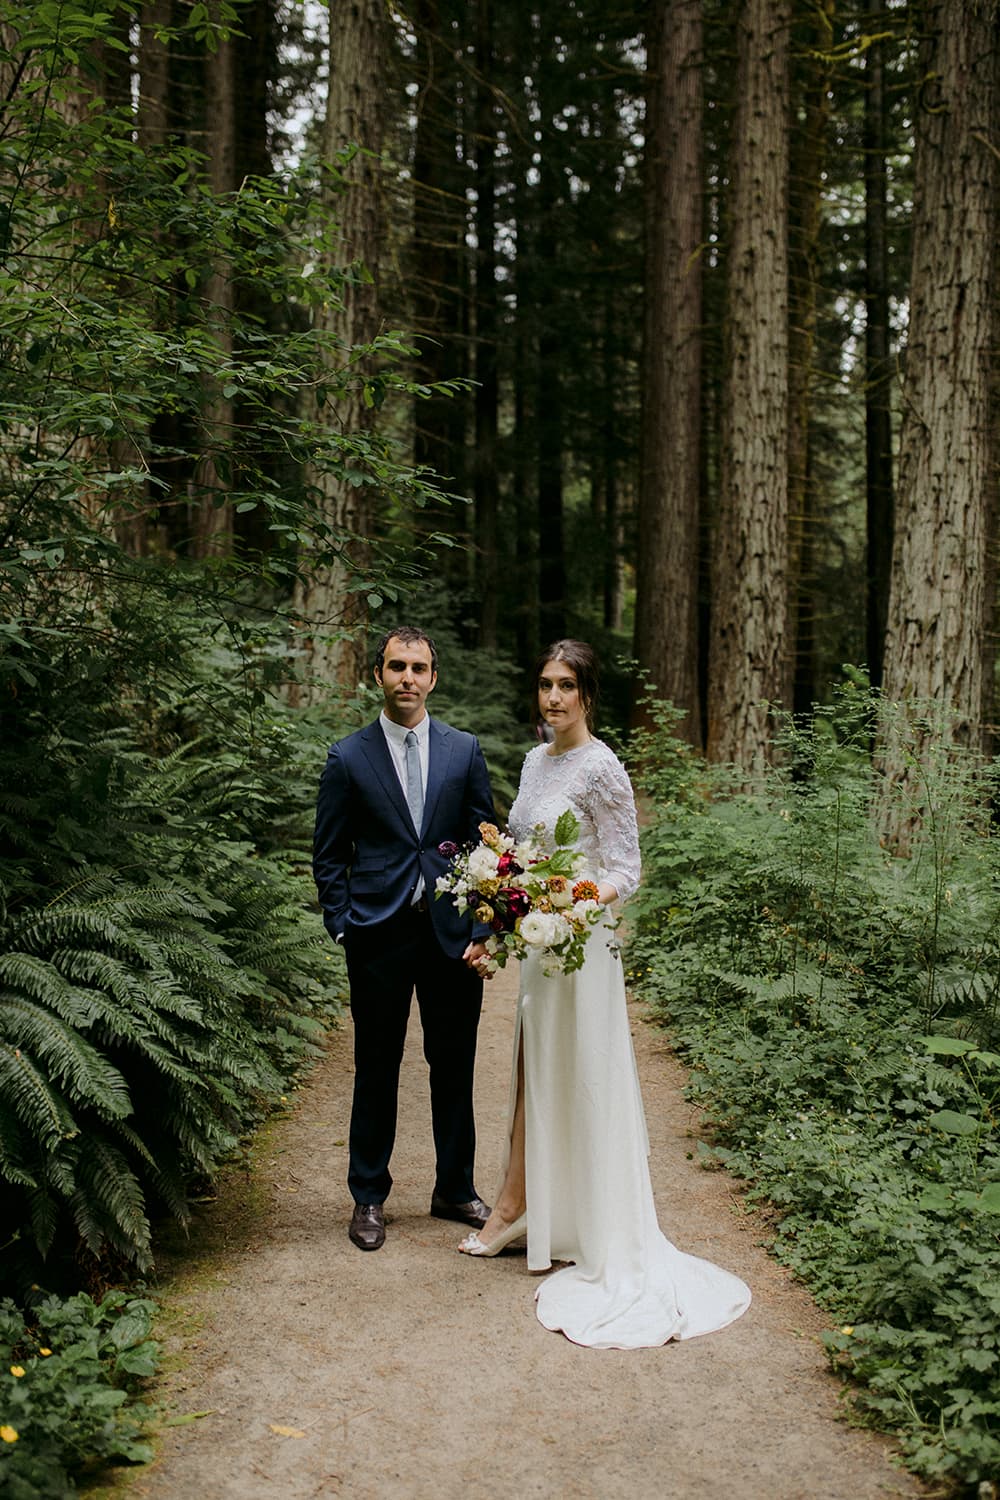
[
  {"x": 189, "y": 1416},
  {"x": 286, "y": 1431}
]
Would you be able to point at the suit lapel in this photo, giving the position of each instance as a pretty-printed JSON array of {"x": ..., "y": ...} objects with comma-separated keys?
[
  {"x": 377, "y": 752},
  {"x": 438, "y": 755}
]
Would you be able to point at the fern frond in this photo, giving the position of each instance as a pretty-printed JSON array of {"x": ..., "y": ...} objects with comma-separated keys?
[
  {"x": 67, "y": 1056},
  {"x": 43, "y": 1215},
  {"x": 32, "y": 1099},
  {"x": 108, "y": 1204},
  {"x": 13, "y": 1149},
  {"x": 138, "y": 993}
]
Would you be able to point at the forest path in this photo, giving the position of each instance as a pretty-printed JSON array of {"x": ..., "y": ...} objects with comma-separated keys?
[{"x": 415, "y": 1372}]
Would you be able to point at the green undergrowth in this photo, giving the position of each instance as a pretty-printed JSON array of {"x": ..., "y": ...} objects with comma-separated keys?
[
  {"x": 838, "y": 1008},
  {"x": 71, "y": 1378}
]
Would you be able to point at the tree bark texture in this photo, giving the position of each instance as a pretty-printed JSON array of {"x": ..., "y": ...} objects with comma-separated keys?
[
  {"x": 810, "y": 115},
  {"x": 439, "y": 228},
  {"x": 666, "y": 628},
  {"x": 549, "y": 402},
  {"x": 747, "y": 653},
  {"x": 943, "y": 584},
  {"x": 878, "y": 361},
  {"x": 153, "y": 116},
  {"x": 487, "y": 319},
  {"x": 327, "y": 599},
  {"x": 211, "y": 514}
]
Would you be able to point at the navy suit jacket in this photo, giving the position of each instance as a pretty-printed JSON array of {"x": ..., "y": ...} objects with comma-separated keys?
[{"x": 367, "y": 855}]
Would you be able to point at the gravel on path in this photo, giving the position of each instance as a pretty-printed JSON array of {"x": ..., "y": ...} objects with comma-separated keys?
[{"x": 414, "y": 1373}]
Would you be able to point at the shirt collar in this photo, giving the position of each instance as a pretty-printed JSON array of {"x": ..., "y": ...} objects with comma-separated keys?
[{"x": 398, "y": 732}]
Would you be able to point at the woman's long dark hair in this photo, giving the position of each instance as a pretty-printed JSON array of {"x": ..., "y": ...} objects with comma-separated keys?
[{"x": 579, "y": 656}]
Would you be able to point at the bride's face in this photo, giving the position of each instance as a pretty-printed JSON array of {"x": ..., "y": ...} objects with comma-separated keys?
[{"x": 559, "y": 701}]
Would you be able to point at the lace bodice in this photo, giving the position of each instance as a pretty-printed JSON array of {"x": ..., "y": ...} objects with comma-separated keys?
[{"x": 593, "y": 782}]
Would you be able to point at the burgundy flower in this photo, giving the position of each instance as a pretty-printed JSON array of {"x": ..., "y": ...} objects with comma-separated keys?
[
  {"x": 508, "y": 865},
  {"x": 448, "y": 849},
  {"x": 518, "y": 903}
]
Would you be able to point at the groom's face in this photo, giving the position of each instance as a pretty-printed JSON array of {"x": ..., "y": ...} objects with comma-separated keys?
[{"x": 406, "y": 678}]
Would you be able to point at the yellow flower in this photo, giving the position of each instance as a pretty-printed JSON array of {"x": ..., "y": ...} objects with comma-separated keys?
[
  {"x": 848, "y": 1328},
  {"x": 490, "y": 833},
  {"x": 484, "y": 913},
  {"x": 17, "y": 1371},
  {"x": 9, "y": 1434},
  {"x": 45, "y": 1351}
]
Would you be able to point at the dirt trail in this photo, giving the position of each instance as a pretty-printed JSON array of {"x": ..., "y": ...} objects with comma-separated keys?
[{"x": 416, "y": 1373}]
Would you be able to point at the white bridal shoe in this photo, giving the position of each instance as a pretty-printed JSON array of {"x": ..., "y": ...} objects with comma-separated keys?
[{"x": 473, "y": 1245}]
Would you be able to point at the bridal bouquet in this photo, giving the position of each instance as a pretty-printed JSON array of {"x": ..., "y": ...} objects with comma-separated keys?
[{"x": 529, "y": 897}]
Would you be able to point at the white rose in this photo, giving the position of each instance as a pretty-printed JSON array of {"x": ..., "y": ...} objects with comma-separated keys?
[
  {"x": 536, "y": 929},
  {"x": 563, "y": 897},
  {"x": 482, "y": 865}
]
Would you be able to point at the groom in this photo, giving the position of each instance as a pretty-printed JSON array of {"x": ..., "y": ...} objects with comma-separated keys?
[{"x": 389, "y": 795}]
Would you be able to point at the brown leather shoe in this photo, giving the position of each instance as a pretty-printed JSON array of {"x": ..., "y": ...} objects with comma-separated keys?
[
  {"x": 474, "y": 1213},
  {"x": 367, "y": 1229}
]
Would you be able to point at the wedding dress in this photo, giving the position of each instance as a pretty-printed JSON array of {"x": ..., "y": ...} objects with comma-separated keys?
[{"x": 589, "y": 1196}]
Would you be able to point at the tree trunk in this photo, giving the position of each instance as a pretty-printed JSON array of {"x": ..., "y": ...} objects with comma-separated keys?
[
  {"x": 152, "y": 118},
  {"x": 211, "y": 515},
  {"x": 607, "y": 436},
  {"x": 487, "y": 395},
  {"x": 437, "y": 255},
  {"x": 747, "y": 654},
  {"x": 666, "y": 620},
  {"x": 942, "y": 591},
  {"x": 878, "y": 366},
  {"x": 326, "y": 598},
  {"x": 808, "y": 155},
  {"x": 549, "y": 430},
  {"x": 525, "y": 582}
]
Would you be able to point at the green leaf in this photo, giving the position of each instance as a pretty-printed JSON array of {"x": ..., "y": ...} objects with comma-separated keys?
[
  {"x": 567, "y": 827},
  {"x": 189, "y": 1416},
  {"x": 948, "y": 1046},
  {"x": 953, "y": 1123}
]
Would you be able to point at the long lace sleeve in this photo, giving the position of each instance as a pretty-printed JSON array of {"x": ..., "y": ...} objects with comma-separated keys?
[{"x": 612, "y": 807}]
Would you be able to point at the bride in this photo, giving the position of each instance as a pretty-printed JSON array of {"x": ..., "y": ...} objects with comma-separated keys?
[{"x": 576, "y": 1179}]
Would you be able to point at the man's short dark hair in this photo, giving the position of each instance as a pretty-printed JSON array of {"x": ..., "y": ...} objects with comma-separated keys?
[{"x": 409, "y": 635}]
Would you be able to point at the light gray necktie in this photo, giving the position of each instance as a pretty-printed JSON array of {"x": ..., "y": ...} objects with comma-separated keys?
[{"x": 414, "y": 785}]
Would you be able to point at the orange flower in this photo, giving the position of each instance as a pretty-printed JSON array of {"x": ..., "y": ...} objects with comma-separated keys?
[{"x": 586, "y": 890}]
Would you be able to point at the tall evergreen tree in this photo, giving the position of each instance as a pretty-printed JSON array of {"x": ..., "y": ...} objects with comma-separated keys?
[
  {"x": 666, "y": 616},
  {"x": 486, "y": 326},
  {"x": 943, "y": 590},
  {"x": 749, "y": 639},
  {"x": 878, "y": 365},
  {"x": 327, "y": 597}
]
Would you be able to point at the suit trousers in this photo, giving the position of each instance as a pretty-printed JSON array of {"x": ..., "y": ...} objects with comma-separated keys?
[{"x": 385, "y": 963}]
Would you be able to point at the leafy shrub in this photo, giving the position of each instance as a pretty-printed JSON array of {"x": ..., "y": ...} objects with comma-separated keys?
[
  {"x": 67, "y": 1386},
  {"x": 161, "y": 977},
  {"x": 839, "y": 1010}
]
